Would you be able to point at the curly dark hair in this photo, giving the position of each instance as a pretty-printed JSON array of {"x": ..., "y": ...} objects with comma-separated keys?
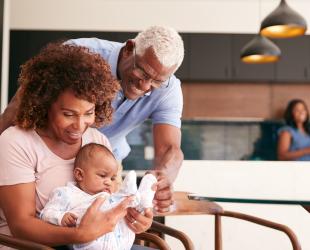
[
  {"x": 59, "y": 67},
  {"x": 289, "y": 118}
]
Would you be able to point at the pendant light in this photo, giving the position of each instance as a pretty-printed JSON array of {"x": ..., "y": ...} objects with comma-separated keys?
[
  {"x": 260, "y": 50},
  {"x": 283, "y": 22}
]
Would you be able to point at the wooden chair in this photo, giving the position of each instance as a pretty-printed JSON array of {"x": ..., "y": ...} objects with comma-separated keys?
[
  {"x": 159, "y": 228},
  {"x": 143, "y": 239},
  {"x": 16, "y": 243},
  {"x": 184, "y": 206}
]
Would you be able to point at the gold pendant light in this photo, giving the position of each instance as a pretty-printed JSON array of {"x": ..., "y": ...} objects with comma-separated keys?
[
  {"x": 283, "y": 22},
  {"x": 260, "y": 50}
]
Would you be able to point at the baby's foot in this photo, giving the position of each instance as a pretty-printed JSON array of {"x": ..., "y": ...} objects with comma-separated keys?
[
  {"x": 146, "y": 192},
  {"x": 129, "y": 185}
]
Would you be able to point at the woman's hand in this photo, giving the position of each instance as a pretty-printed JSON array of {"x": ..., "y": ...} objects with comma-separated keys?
[
  {"x": 139, "y": 222},
  {"x": 96, "y": 223}
]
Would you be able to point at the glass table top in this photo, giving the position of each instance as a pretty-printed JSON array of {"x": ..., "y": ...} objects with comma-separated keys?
[{"x": 249, "y": 200}]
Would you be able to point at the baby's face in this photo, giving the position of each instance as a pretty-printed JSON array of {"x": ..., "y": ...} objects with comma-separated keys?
[{"x": 99, "y": 174}]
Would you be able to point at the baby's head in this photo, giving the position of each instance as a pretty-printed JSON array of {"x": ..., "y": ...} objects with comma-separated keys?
[{"x": 95, "y": 169}]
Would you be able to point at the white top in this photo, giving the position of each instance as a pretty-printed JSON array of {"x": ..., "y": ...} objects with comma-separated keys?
[{"x": 26, "y": 158}]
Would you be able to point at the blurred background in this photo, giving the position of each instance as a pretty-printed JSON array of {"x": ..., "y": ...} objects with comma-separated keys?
[{"x": 232, "y": 110}]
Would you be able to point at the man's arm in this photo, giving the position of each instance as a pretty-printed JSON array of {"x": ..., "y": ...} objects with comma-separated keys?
[
  {"x": 8, "y": 116},
  {"x": 168, "y": 160},
  {"x": 168, "y": 153}
]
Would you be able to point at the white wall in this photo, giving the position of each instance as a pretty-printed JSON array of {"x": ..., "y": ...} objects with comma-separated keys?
[
  {"x": 5, "y": 55},
  {"x": 218, "y": 16},
  {"x": 255, "y": 179}
]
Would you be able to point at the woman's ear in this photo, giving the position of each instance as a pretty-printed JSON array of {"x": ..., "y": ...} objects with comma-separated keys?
[
  {"x": 78, "y": 174},
  {"x": 129, "y": 47}
]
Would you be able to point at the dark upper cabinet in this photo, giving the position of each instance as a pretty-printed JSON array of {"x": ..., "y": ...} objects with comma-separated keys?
[
  {"x": 122, "y": 37},
  {"x": 183, "y": 71},
  {"x": 294, "y": 64},
  {"x": 209, "y": 56},
  {"x": 248, "y": 72}
]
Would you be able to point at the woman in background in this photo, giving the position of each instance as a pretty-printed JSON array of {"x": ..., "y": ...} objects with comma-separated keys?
[{"x": 294, "y": 137}]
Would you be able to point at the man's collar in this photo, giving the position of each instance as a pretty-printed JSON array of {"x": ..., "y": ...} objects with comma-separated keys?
[{"x": 114, "y": 57}]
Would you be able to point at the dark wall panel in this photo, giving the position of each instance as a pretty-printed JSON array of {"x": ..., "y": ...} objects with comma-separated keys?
[
  {"x": 208, "y": 57},
  {"x": 25, "y": 44}
]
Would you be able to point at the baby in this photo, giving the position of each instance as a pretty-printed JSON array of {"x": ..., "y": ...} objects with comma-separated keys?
[{"x": 95, "y": 172}]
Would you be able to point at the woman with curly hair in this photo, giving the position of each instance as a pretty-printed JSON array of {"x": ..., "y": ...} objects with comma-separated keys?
[
  {"x": 64, "y": 90},
  {"x": 294, "y": 138}
]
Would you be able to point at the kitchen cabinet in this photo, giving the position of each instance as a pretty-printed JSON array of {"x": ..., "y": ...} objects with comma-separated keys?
[
  {"x": 210, "y": 57},
  {"x": 183, "y": 71},
  {"x": 217, "y": 57},
  {"x": 122, "y": 37},
  {"x": 24, "y": 44},
  {"x": 294, "y": 64},
  {"x": 248, "y": 72}
]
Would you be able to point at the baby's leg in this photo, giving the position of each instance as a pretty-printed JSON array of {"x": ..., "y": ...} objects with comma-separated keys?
[{"x": 121, "y": 238}]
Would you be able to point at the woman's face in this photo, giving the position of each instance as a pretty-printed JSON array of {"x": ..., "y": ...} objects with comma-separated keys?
[
  {"x": 69, "y": 117},
  {"x": 299, "y": 113}
]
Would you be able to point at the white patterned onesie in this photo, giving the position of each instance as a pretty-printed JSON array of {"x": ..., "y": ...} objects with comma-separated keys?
[{"x": 72, "y": 199}]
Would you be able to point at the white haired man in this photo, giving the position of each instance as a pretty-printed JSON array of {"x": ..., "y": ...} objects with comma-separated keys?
[{"x": 149, "y": 90}]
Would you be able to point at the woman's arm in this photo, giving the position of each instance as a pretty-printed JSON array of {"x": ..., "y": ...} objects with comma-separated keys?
[
  {"x": 284, "y": 143},
  {"x": 18, "y": 204}
]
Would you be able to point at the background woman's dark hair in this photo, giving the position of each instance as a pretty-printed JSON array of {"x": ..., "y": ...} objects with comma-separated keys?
[
  {"x": 60, "y": 67},
  {"x": 289, "y": 118}
]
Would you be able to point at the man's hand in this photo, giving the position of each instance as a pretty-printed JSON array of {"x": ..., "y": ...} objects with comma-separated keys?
[
  {"x": 69, "y": 220},
  {"x": 164, "y": 191}
]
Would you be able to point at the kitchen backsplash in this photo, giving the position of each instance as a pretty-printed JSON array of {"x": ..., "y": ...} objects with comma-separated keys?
[{"x": 210, "y": 140}]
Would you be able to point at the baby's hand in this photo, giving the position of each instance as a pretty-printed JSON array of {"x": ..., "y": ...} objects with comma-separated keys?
[{"x": 69, "y": 220}]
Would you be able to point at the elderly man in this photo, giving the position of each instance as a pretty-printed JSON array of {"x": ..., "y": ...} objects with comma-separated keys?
[{"x": 149, "y": 90}]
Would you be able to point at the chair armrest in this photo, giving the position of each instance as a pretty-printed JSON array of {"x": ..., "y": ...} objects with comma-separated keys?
[
  {"x": 186, "y": 241},
  {"x": 17, "y": 243},
  {"x": 159, "y": 242},
  {"x": 266, "y": 223}
]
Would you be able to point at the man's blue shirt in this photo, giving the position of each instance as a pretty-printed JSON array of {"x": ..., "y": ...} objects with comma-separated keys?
[{"x": 162, "y": 106}]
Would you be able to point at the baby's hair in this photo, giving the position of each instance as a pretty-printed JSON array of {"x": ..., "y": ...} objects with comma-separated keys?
[{"x": 88, "y": 151}]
